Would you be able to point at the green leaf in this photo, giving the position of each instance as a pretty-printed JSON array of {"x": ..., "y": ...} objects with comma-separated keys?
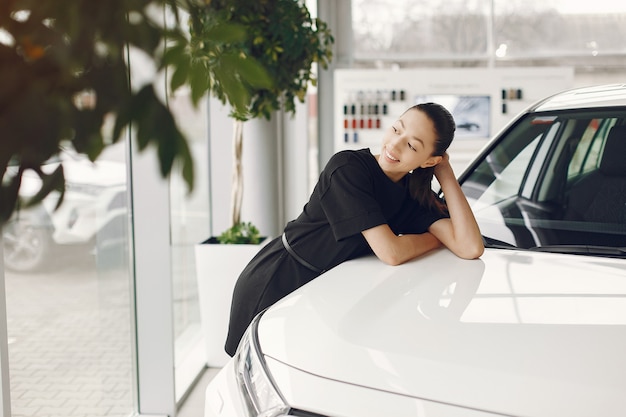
[
  {"x": 122, "y": 120},
  {"x": 156, "y": 126},
  {"x": 251, "y": 71},
  {"x": 240, "y": 233},
  {"x": 199, "y": 80},
  {"x": 50, "y": 182},
  {"x": 180, "y": 74},
  {"x": 142, "y": 111},
  {"x": 8, "y": 197},
  {"x": 87, "y": 133},
  {"x": 143, "y": 35},
  {"x": 226, "y": 33},
  {"x": 234, "y": 90},
  {"x": 175, "y": 52},
  {"x": 187, "y": 169}
]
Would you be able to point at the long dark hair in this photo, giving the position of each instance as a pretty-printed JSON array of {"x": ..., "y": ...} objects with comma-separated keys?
[{"x": 419, "y": 181}]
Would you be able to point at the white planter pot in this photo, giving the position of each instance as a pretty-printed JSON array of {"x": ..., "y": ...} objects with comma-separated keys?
[{"x": 217, "y": 268}]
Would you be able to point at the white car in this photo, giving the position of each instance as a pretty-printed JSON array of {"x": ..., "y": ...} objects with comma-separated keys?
[
  {"x": 94, "y": 209},
  {"x": 535, "y": 327}
]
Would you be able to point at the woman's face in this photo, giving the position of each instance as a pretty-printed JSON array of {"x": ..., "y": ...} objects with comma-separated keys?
[{"x": 408, "y": 144}]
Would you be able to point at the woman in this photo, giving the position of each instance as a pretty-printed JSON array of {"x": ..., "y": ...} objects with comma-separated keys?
[{"x": 366, "y": 203}]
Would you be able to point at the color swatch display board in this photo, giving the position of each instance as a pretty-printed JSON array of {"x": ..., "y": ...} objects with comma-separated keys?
[{"x": 481, "y": 100}]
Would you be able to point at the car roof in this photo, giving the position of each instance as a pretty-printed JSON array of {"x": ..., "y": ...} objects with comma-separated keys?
[{"x": 609, "y": 95}]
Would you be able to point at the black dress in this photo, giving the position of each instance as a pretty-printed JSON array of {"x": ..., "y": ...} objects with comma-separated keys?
[{"x": 353, "y": 194}]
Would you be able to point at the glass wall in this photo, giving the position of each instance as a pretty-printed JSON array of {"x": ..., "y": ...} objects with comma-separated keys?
[
  {"x": 190, "y": 225},
  {"x": 68, "y": 295},
  {"x": 558, "y": 31},
  {"x": 70, "y": 278},
  {"x": 587, "y": 35},
  {"x": 402, "y": 30}
]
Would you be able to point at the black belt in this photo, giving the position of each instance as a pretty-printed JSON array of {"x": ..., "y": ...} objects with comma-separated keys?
[{"x": 298, "y": 258}]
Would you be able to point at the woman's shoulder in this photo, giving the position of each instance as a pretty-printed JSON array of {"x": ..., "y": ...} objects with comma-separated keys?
[{"x": 346, "y": 157}]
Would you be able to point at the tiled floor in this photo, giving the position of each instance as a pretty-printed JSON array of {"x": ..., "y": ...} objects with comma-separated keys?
[
  {"x": 70, "y": 345},
  {"x": 193, "y": 406}
]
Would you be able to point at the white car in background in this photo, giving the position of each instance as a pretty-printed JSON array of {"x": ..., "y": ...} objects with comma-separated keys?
[
  {"x": 93, "y": 210},
  {"x": 535, "y": 327}
]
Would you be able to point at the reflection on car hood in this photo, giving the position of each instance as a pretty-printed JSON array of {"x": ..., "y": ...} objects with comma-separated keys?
[{"x": 514, "y": 332}]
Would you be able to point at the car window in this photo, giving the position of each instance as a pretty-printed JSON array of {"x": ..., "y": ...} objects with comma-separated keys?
[
  {"x": 544, "y": 183},
  {"x": 500, "y": 173},
  {"x": 508, "y": 179},
  {"x": 587, "y": 154}
]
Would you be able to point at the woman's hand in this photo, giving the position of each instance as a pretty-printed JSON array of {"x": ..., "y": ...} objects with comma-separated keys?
[{"x": 443, "y": 168}]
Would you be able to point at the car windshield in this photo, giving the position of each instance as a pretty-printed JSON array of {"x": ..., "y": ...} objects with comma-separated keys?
[{"x": 554, "y": 182}]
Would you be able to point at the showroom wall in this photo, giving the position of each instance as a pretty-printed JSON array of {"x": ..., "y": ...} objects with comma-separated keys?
[{"x": 481, "y": 100}]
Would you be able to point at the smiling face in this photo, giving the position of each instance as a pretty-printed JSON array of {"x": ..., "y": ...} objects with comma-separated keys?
[{"x": 408, "y": 144}]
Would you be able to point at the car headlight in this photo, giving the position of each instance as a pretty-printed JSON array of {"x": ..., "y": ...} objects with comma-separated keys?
[{"x": 259, "y": 393}]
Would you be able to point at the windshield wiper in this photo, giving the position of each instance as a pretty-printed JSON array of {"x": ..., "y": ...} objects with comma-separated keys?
[
  {"x": 490, "y": 242},
  {"x": 610, "y": 251}
]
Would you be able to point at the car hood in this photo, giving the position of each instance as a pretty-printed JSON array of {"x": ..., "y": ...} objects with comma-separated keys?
[{"x": 515, "y": 332}]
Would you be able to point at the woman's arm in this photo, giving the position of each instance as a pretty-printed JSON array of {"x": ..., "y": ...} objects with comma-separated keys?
[
  {"x": 395, "y": 250},
  {"x": 459, "y": 233}
]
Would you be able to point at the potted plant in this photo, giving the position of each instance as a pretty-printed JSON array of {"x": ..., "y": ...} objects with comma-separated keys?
[{"x": 284, "y": 39}]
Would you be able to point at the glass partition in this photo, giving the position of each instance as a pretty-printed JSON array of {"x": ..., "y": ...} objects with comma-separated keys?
[
  {"x": 408, "y": 29},
  {"x": 487, "y": 32},
  {"x": 189, "y": 219},
  {"x": 591, "y": 30},
  {"x": 68, "y": 295}
]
